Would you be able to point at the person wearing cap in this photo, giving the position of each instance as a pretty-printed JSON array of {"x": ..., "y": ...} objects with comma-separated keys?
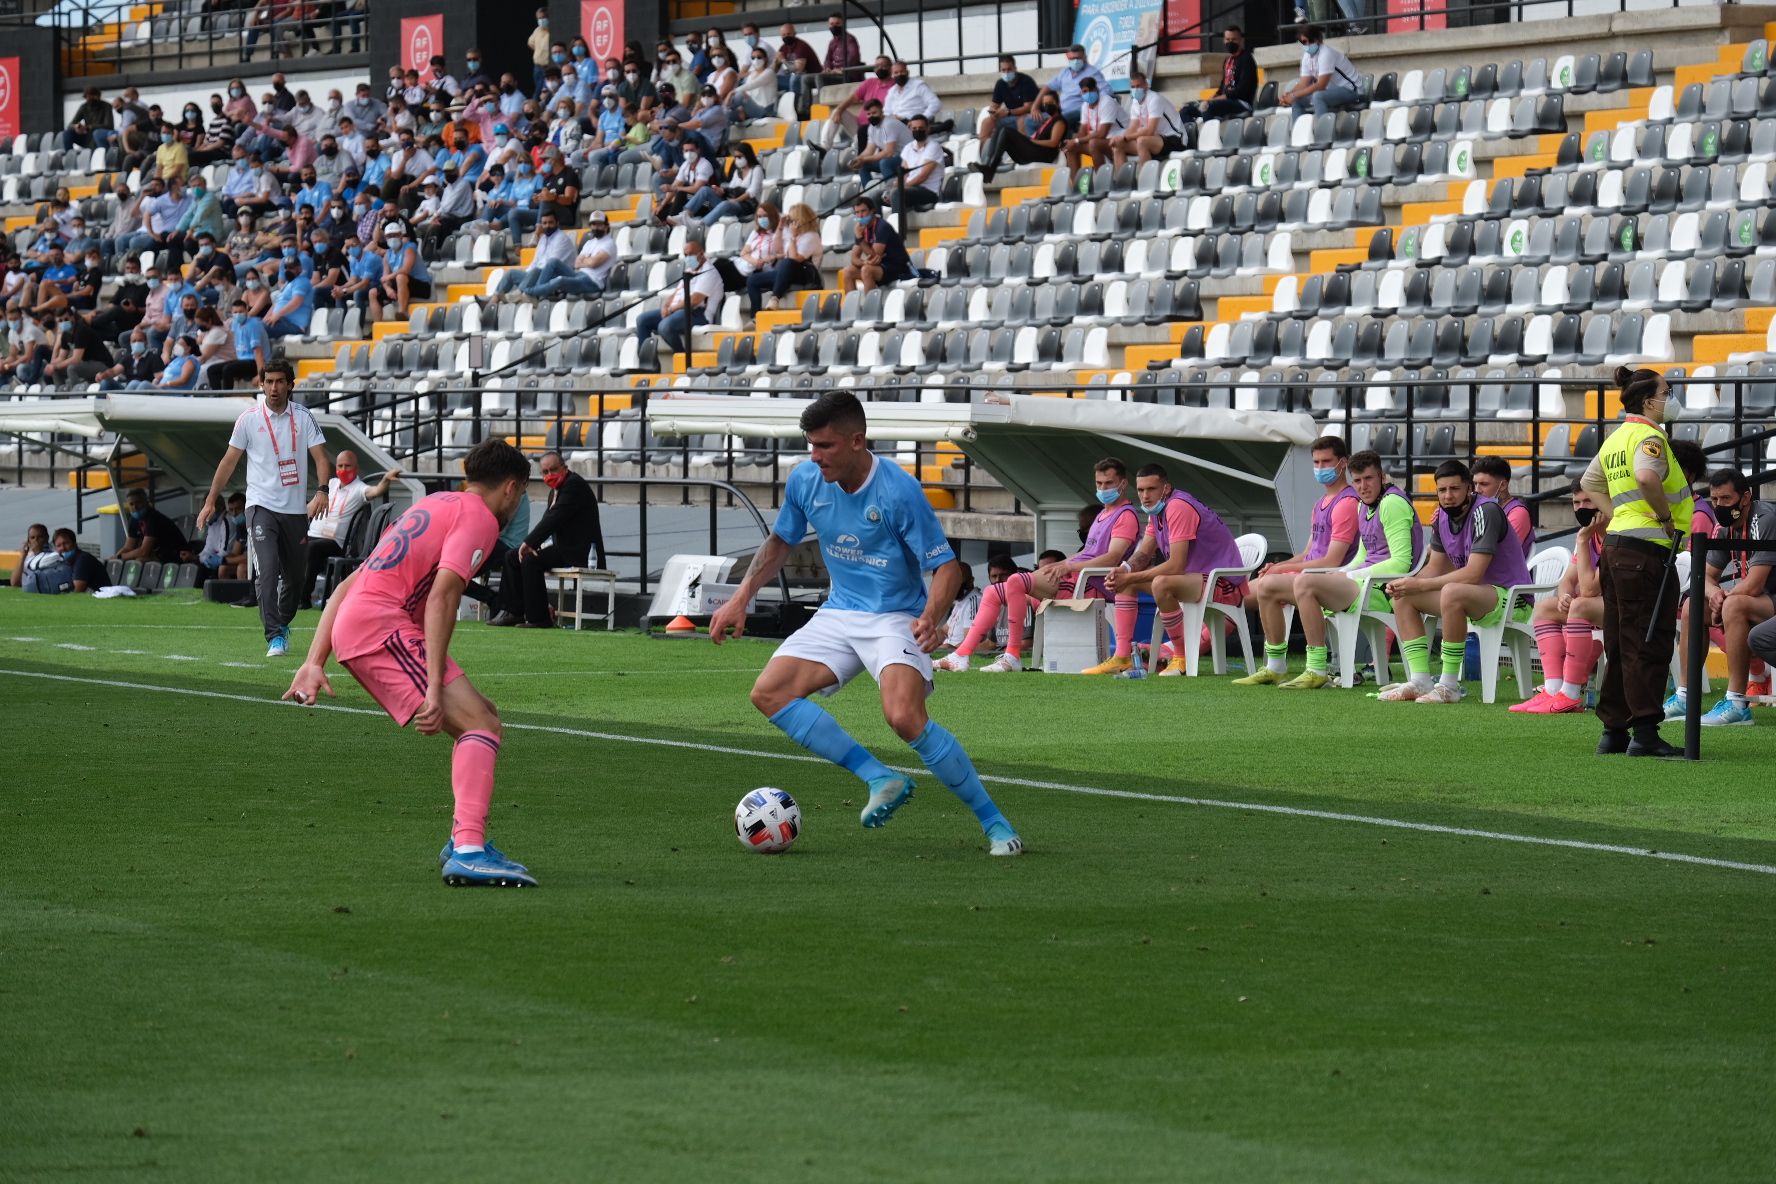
[
  {"x": 405, "y": 278},
  {"x": 552, "y": 260},
  {"x": 456, "y": 205}
]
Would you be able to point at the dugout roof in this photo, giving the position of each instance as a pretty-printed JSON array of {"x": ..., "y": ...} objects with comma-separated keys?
[{"x": 1252, "y": 467}]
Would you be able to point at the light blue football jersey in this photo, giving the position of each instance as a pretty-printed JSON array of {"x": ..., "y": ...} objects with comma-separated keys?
[{"x": 877, "y": 542}]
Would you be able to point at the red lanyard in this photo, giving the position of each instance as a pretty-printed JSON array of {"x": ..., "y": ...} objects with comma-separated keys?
[{"x": 275, "y": 451}]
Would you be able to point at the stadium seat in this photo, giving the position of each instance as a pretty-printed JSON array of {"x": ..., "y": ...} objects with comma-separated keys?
[
  {"x": 1546, "y": 568},
  {"x": 1253, "y": 548}
]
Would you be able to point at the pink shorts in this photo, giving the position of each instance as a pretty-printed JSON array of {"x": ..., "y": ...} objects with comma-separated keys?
[{"x": 395, "y": 674}]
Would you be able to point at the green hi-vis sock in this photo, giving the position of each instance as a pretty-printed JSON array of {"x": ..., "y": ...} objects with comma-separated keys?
[
  {"x": 1316, "y": 658},
  {"x": 1417, "y": 652},
  {"x": 1276, "y": 657},
  {"x": 1453, "y": 654}
]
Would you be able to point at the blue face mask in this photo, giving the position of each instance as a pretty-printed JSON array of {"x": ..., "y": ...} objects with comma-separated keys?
[
  {"x": 1157, "y": 508},
  {"x": 137, "y": 515},
  {"x": 1312, "y": 51},
  {"x": 865, "y": 219},
  {"x": 1090, "y": 98},
  {"x": 1109, "y": 497},
  {"x": 138, "y": 347},
  {"x": 238, "y": 519},
  {"x": 1008, "y": 75},
  {"x": 1075, "y": 64},
  {"x": 1137, "y": 93},
  {"x": 557, "y": 58},
  {"x": 1325, "y": 476}
]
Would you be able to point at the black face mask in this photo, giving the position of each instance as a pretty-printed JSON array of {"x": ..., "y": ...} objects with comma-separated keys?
[
  {"x": 921, "y": 135},
  {"x": 875, "y": 121},
  {"x": 882, "y": 74},
  {"x": 901, "y": 79},
  {"x": 1232, "y": 46},
  {"x": 1585, "y": 515},
  {"x": 1727, "y": 514}
]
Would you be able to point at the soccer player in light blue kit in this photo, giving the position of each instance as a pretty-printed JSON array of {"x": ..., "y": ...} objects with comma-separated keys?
[{"x": 878, "y": 537}]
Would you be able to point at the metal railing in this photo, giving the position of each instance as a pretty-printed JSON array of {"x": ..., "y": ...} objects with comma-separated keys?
[
  {"x": 100, "y": 41},
  {"x": 1354, "y": 18}
]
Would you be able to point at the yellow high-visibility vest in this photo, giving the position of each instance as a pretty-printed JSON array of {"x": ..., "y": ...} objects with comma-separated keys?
[{"x": 1630, "y": 515}]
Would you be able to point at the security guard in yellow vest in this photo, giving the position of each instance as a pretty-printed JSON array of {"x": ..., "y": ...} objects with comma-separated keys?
[{"x": 1648, "y": 495}]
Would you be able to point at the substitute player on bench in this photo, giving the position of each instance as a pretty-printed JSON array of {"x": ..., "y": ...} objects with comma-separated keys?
[
  {"x": 1563, "y": 623},
  {"x": 1331, "y": 535},
  {"x": 390, "y": 623},
  {"x": 1475, "y": 558},
  {"x": 878, "y": 536}
]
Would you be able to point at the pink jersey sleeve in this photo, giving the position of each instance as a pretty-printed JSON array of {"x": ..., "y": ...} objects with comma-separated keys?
[
  {"x": 1701, "y": 523},
  {"x": 1344, "y": 520},
  {"x": 449, "y": 531},
  {"x": 1518, "y": 517},
  {"x": 1182, "y": 520},
  {"x": 468, "y": 543},
  {"x": 1127, "y": 528}
]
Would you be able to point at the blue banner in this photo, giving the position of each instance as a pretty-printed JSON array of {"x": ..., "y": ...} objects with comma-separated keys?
[{"x": 1109, "y": 29}]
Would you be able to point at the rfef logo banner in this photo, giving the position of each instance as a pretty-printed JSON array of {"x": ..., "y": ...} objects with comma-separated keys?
[
  {"x": 1109, "y": 29},
  {"x": 1406, "y": 18},
  {"x": 422, "y": 37},
  {"x": 9, "y": 98},
  {"x": 601, "y": 24}
]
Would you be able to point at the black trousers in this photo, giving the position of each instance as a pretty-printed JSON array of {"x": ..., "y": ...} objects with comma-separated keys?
[
  {"x": 479, "y": 591},
  {"x": 277, "y": 541},
  {"x": 1633, "y": 691},
  {"x": 223, "y": 375},
  {"x": 523, "y": 589},
  {"x": 318, "y": 552},
  {"x": 1007, "y": 141}
]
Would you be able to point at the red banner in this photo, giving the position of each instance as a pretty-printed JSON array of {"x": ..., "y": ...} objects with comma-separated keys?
[
  {"x": 1181, "y": 17},
  {"x": 422, "y": 37},
  {"x": 601, "y": 24},
  {"x": 1406, "y": 16},
  {"x": 9, "y": 99}
]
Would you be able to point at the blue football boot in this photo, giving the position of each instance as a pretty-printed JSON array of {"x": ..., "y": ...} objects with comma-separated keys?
[
  {"x": 887, "y": 794},
  {"x": 485, "y": 868}
]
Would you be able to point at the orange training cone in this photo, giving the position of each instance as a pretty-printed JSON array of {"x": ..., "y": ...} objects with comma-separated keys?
[{"x": 680, "y": 625}]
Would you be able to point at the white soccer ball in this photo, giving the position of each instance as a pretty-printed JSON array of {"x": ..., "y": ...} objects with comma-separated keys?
[{"x": 767, "y": 821}]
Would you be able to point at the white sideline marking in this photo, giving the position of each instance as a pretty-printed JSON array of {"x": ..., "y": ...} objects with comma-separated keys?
[
  {"x": 1094, "y": 791},
  {"x": 69, "y": 645}
]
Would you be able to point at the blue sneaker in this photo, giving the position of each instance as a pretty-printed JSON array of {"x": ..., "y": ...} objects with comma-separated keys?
[
  {"x": 887, "y": 794},
  {"x": 280, "y": 644},
  {"x": 1727, "y": 713},
  {"x": 488, "y": 868},
  {"x": 1675, "y": 707},
  {"x": 1002, "y": 840},
  {"x": 450, "y": 849}
]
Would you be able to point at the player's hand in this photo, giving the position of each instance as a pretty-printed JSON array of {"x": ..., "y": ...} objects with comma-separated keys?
[
  {"x": 1405, "y": 586},
  {"x": 731, "y": 615},
  {"x": 430, "y": 720},
  {"x": 1563, "y": 604},
  {"x": 927, "y": 635},
  {"x": 208, "y": 512},
  {"x": 309, "y": 682},
  {"x": 1113, "y": 579},
  {"x": 317, "y": 505},
  {"x": 525, "y": 551}
]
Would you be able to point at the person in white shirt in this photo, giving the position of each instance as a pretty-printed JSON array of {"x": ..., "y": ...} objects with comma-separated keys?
[
  {"x": 886, "y": 137},
  {"x": 692, "y": 302},
  {"x": 1100, "y": 117},
  {"x": 764, "y": 246},
  {"x": 910, "y": 96},
  {"x": 588, "y": 274},
  {"x": 756, "y": 95},
  {"x": 1328, "y": 81},
  {"x": 278, "y": 438},
  {"x": 922, "y": 163},
  {"x": 1154, "y": 128},
  {"x": 346, "y": 495},
  {"x": 553, "y": 259},
  {"x": 693, "y": 175}
]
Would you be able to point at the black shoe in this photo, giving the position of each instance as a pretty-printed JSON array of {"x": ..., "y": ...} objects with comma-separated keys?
[
  {"x": 502, "y": 619},
  {"x": 1652, "y": 745},
  {"x": 249, "y": 602},
  {"x": 1614, "y": 742}
]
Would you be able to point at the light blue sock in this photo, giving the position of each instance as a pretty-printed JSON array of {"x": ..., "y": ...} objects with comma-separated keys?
[
  {"x": 809, "y": 725},
  {"x": 943, "y": 755}
]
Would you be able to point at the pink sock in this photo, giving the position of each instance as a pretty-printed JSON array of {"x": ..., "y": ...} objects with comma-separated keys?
[
  {"x": 984, "y": 620},
  {"x": 1017, "y": 607},
  {"x": 1128, "y": 610},
  {"x": 471, "y": 781},
  {"x": 1581, "y": 655},
  {"x": 1173, "y": 623},
  {"x": 1552, "y": 646}
]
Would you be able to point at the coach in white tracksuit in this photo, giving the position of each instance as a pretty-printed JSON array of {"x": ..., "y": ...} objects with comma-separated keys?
[{"x": 274, "y": 434}]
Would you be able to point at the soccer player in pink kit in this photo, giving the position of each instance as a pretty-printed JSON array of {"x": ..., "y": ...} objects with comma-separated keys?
[
  {"x": 390, "y": 624},
  {"x": 1185, "y": 540},
  {"x": 1563, "y": 623},
  {"x": 1111, "y": 539}
]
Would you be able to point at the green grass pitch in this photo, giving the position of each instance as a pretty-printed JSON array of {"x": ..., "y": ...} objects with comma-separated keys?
[{"x": 225, "y": 953}]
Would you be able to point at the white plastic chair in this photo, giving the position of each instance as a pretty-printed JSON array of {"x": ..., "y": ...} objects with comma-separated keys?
[
  {"x": 1252, "y": 549},
  {"x": 1357, "y": 621},
  {"x": 1545, "y": 570}
]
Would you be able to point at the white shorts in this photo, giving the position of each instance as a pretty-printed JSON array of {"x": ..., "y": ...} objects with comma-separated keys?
[{"x": 848, "y": 643}]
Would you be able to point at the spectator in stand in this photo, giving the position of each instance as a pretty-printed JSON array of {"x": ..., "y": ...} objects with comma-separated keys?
[
  {"x": 755, "y": 96},
  {"x": 151, "y": 535},
  {"x": 256, "y": 292},
  {"x": 552, "y": 258},
  {"x": 126, "y": 220},
  {"x": 694, "y": 175},
  {"x": 1328, "y": 82},
  {"x": 202, "y": 215},
  {"x": 635, "y": 90},
  {"x": 127, "y": 300},
  {"x": 910, "y": 96},
  {"x": 214, "y": 342},
  {"x": 694, "y": 301},
  {"x": 877, "y": 85},
  {"x": 93, "y": 126},
  {"x": 566, "y": 536},
  {"x": 363, "y": 109},
  {"x": 567, "y": 132},
  {"x": 844, "y": 57},
  {"x": 346, "y": 495},
  {"x": 1239, "y": 82},
  {"x": 27, "y": 348},
  {"x": 350, "y": 14},
  {"x": 1154, "y": 128},
  {"x": 252, "y": 352},
  {"x": 590, "y": 274},
  {"x": 456, "y": 205},
  {"x": 922, "y": 167},
  {"x": 708, "y": 124},
  {"x": 684, "y": 84},
  {"x": 1100, "y": 118},
  {"x": 181, "y": 373},
  {"x": 80, "y": 354},
  {"x": 880, "y": 255},
  {"x": 1014, "y": 102},
  {"x": 292, "y": 305},
  {"x": 738, "y": 197},
  {"x": 559, "y": 190},
  {"x": 136, "y": 371},
  {"x": 763, "y": 247},
  {"x": 798, "y": 69},
  {"x": 608, "y": 132},
  {"x": 797, "y": 260},
  {"x": 365, "y": 275},
  {"x": 184, "y": 321},
  {"x": 539, "y": 49},
  {"x": 405, "y": 277},
  {"x": 724, "y": 76},
  {"x": 1067, "y": 85},
  {"x": 886, "y": 137}
]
